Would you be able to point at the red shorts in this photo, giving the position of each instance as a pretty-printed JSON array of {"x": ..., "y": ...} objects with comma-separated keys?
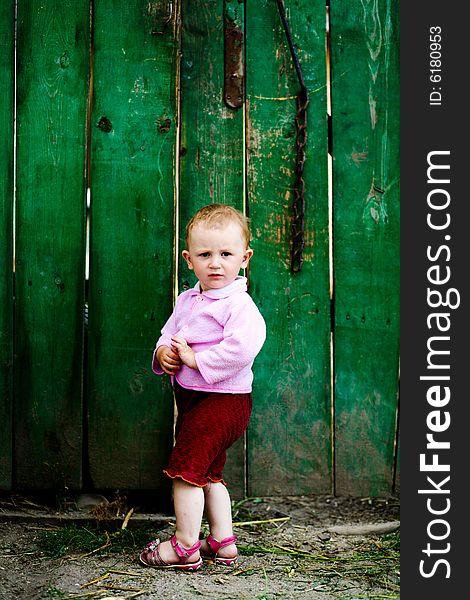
[{"x": 208, "y": 423}]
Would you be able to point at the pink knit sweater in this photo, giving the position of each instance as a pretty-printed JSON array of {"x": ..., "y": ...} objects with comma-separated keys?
[{"x": 226, "y": 331}]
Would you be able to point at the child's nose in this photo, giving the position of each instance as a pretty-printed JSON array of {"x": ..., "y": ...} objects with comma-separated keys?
[{"x": 215, "y": 262}]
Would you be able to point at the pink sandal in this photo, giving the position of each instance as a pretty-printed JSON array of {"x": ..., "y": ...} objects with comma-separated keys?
[
  {"x": 150, "y": 557},
  {"x": 215, "y": 546}
]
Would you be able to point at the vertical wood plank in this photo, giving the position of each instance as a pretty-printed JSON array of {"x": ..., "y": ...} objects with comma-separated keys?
[
  {"x": 7, "y": 27},
  {"x": 131, "y": 247},
  {"x": 211, "y": 153},
  {"x": 365, "y": 105},
  {"x": 289, "y": 439},
  {"x": 53, "y": 47}
]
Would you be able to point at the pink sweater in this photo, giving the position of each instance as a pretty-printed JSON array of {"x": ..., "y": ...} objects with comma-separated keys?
[{"x": 226, "y": 331}]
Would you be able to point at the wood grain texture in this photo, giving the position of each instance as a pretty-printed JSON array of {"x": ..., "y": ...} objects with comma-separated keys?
[
  {"x": 289, "y": 439},
  {"x": 131, "y": 250},
  {"x": 53, "y": 44},
  {"x": 7, "y": 24},
  {"x": 211, "y": 152},
  {"x": 365, "y": 106}
]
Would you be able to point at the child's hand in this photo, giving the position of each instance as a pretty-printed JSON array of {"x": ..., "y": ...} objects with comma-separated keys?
[
  {"x": 169, "y": 360},
  {"x": 184, "y": 351}
]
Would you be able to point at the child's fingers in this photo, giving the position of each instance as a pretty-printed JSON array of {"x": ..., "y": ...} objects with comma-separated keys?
[
  {"x": 171, "y": 354},
  {"x": 173, "y": 359},
  {"x": 169, "y": 369},
  {"x": 170, "y": 361}
]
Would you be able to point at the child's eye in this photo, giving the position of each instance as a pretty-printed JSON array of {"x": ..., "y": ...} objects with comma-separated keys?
[
  {"x": 204, "y": 254},
  {"x": 226, "y": 254}
]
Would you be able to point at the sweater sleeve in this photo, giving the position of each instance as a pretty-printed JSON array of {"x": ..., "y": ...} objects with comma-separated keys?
[{"x": 243, "y": 337}]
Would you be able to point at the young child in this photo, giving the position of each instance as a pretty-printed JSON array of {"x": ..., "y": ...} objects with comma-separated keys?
[{"x": 208, "y": 346}]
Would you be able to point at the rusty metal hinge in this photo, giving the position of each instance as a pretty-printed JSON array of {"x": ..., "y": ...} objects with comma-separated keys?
[{"x": 234, "y": 72}]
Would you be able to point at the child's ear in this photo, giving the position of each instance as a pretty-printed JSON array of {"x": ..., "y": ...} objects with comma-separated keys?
[
  {"x": 187, "y": 258},
  {"x": 246, "y": 257}
]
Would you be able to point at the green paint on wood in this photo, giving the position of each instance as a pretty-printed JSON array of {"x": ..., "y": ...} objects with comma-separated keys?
[
  {"x": 132, "y": 212},
  {"x": 53, "y": 42},
  {"x": 289, "y": 439},
  {"x": 145, "y": 68},
  {"x": 211, "y": 152},
  {"x": 365, "y": 106},
  {"x": 7, "y": 20}
]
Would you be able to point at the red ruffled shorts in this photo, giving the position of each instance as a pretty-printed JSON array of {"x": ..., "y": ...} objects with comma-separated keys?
[{"x": 208, "y": 423}]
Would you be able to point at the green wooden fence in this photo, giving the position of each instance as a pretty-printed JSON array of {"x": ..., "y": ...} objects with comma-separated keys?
[{"x": 123, "y": 103}]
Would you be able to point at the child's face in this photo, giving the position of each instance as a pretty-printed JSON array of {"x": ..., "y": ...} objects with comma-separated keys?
[{"x": 216, "y": 255}]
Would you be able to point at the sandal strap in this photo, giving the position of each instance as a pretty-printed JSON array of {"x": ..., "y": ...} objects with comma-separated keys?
[
  {"x": 215, "y": 545},
  {"x": 151, "y": 555},
  {"x": 183, "y": 552}
]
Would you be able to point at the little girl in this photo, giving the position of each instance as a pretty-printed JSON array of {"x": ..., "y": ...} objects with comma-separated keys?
[{"x": 208, "y": 346}]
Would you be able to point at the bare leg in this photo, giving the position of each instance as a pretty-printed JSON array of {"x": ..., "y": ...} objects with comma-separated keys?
[
  {"x": 219, "y": 514},
  {"x": 189, "y": 506}
]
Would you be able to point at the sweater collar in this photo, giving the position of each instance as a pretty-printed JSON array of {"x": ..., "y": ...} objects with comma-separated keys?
[{"x": 238, "y": 285}]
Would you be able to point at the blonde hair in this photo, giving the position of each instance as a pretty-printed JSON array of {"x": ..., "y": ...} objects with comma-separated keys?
[{"x": 218, "y": 215}]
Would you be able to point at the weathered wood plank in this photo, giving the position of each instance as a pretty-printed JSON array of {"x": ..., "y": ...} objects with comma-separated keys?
[
  {"x": 289, "y": 439},
  {"x": 7, "y": 25},
  {"x": 53, "y": 50},
  {"x": 365, "y": 105},
  {"x": 131, "y": 249},
  {"x": 211, "y": 153}
]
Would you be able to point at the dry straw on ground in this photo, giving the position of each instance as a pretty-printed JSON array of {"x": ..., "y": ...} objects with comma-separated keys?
[{"x": 319, "y": 547}]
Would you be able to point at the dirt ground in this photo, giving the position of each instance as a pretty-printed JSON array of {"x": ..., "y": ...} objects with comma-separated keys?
[{"x": 302, "y": 547}]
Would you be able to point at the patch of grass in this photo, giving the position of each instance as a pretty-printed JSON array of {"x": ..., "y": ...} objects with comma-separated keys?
[
  {"x": 391, "y": 541},
  {"x": 387, "y": 547},
  {"x": 252, "y": 519},
  {"x": 240, "y": 511},
  {"x": 251, "y": 550},
  {"x": 377, "y": 561},
  {"x": 53, "y": 592},
  {"x": 74, "y": 539}
]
